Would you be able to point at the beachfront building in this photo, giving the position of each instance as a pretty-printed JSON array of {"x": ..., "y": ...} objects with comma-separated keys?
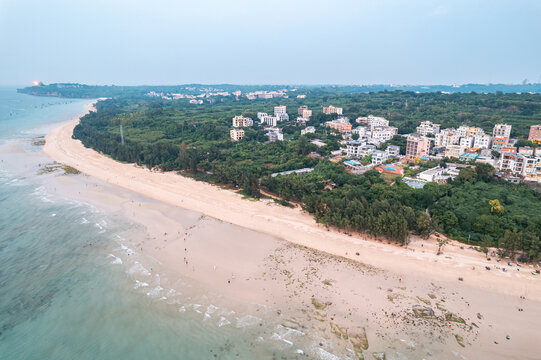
[
  {"x": 308, "y": 130},
  {"x": 332, "y": 110},
  {"x": 535, "y": 134},
  {"x": 501, "y": 131},
  {"x": 240, "y": 121},
  {"x": 341, "y": 124},
  {"x": 417, "y": 146},
  {"x": 236, "y": 134},
  {"x": 428, "y": 128}
]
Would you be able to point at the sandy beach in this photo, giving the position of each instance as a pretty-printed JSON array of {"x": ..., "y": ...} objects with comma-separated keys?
[{"x": 343, "y": 287}]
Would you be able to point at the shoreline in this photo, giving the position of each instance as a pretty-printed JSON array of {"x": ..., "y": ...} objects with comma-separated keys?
[
  {"x": 336, "y": 301},
  {"x": 292, "y": 225}
]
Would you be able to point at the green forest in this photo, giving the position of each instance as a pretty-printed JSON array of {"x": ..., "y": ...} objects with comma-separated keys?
[{"x": 474, "y": 208}]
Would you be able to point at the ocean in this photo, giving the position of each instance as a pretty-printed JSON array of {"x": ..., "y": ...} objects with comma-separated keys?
[{"x": 70, "y": 285}]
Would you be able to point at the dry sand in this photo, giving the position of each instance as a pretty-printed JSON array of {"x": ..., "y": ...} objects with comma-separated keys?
[{"x": 316, "y": 280}]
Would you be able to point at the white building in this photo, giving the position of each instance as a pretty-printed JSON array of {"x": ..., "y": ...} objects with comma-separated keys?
[
  {"x": 431, "y": 175},
  {"x": 427, "y": 127},
  {"x": 502, "y": 131},
  {"x": 357, "y": 149},
  {"x": 379, "y": 157},
  {"x": 446, "y": 137},
  {"x": 260, "y": 115},
  {"x": 360, "y": 130},
  {"x": 393, "y": 151},
  {"x": 372, "y": 121},
  {"x": 482, "y": 141},
  {"x": 308, "y": 130},
  {"x": 467, "y": 142},
  {"x": 282, "y": 117},
  {"x": 381, "y": 134},
  {"x": 269, "y": 120}
]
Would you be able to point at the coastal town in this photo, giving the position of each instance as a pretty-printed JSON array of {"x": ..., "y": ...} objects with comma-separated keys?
[{"x": 366, "y": 143}]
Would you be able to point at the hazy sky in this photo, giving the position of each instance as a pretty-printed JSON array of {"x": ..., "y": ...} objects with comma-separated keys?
[{"x": 271, "y": 42}]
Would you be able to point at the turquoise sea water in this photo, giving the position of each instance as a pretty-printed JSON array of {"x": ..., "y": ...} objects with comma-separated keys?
[{"x": 62, "y": 298}]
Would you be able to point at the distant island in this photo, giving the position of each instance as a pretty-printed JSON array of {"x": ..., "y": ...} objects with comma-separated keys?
[{"x": 388, "y": 163}]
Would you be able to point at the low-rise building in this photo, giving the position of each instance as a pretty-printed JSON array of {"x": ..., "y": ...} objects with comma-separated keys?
[
  {"x": 275, "y": 135},
  {"x": 393, "y": 151},
  {"x": 392, "y": 169},
  {"x": 332, "y": 110},
  {"x": 357, "y": 149},
  {"x": 236, "y": 134},
  {"x": 454, "y": 151},
  {"x": 432, "y": 175},
  {"x": 269, "y": 120},
  {"x": 302, "y": 121},
  {"x": 341, "y": 124},
  {"x": 372, "y": 121},
  {"x": 301, "y": 109},
  {"x": 379, "y": 157},
  {"x": 306, "y": 113},
  {"x": 308, "y": 130}
]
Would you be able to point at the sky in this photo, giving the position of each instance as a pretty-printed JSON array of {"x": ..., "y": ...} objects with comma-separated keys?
[{"x": 163, "y": 42}]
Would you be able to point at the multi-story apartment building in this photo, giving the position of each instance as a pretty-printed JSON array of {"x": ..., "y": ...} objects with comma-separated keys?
[
  {"x": 482, "y": 141},
  {"x": 357, "y": 149},
  {"x": 342, "y": 124},
  {"x": 502, "y": 131},
  {"x": 361, "y": 130},
  {"x": 306, "y": 113},
  {"x": 332, "y": 110},
  {"x": 393, "y": 151},
  {"x": 269, "y": 120},
  {"x": 428, "y": 128},
  {"x": 417, "y": 146},
  {"x": 446, "y": 137},
  {"x": 275, "y": 135},
  {"x": 379, "y": 157},
  {"x": 372, "y": 121},
  {"x": 301, "y": 109},
  {"x": 467, "y": 142},
  {"x": 498, "y": 143},
  {"x": 240, "y": 121},
  {"x": 382, "y": 133},
  {"x": 236, "y": 134},
  {"x": 535, "y": 133},
  {"x": 279, "y": 110}
]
